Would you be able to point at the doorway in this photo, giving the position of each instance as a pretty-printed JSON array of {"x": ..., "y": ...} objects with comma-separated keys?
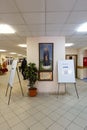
[{"x": 74, "y": 57}]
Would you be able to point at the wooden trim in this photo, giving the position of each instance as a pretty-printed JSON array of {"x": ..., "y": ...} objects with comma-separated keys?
[
  {"x": 81, "y": 67},
  {"x": 84, "y": 66}
]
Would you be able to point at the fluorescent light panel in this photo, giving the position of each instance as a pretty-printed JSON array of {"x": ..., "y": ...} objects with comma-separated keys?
[
  {"x": 82, "y": 28},
  {"x": 13, "y": 53},
  {"x": 22, "y": 45},
  {"x": 19, "y": 54},
  {"x": 1, "y": 50},
  {"x": 6, "y": 29},
  {"x": 69, "y": 44}
]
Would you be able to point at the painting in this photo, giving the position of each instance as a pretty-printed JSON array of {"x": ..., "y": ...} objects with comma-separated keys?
[
  {"x": 45, "y": 76},
  {"x": 45, "y": 56}
]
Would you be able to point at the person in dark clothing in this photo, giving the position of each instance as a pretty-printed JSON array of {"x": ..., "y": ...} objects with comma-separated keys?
[{"x": 23, "y": 65}]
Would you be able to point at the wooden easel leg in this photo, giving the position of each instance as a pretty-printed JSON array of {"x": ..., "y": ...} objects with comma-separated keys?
[
  {"x": 9, "y": 95},
  {"x": 76, "y": 90},
  {"x": 21, "y": 90},
  {"x": 7, "y": 90},
  {"x": 58, "y": 90},
  {"x": 65, "y": 87},
  {"x": 20, "y": 82}
]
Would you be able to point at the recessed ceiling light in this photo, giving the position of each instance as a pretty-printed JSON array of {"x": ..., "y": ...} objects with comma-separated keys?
[
  {"x": 82, "y": 28},
  {"x": 6, "y": 29},
  {"x": 1, "y": 50},
  {"x": 69, "y": 44},
  {"x": 19, "y": 54},
  {"x": 23, "y": 45},
  {"x": 13, "y": 53}
]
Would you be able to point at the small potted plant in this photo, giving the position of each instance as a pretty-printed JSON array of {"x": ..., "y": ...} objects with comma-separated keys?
[{"x": 31, "y": 73}]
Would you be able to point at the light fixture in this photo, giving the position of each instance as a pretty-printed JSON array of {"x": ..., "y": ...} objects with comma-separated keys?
[
  {"x": 6, "y": 29},
  {"x": 1, "y": 50},
  {"x": 23, "y": 45},
  {"x": 13, "y": 53},
  {"x": 19, "y": 54},
  {"x": 69, "y": 44},
  {"x": 82, "y": 28}
]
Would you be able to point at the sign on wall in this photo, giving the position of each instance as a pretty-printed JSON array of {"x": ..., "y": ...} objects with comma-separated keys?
[{"x": 66, "y": 72}]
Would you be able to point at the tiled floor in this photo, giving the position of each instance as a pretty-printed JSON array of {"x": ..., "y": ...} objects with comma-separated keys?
[{"x": 45, "y": 111}]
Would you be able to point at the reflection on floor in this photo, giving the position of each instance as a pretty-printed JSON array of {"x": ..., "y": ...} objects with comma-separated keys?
[
  {"x": 85, "y": 79},
  {"x": 44, "y": 112}
]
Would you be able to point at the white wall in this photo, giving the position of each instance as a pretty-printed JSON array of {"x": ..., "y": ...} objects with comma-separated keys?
[
  {"x": 82, "y": 72},
  {"x": 82, "y": 52},
  {"x": 85, "y": 53},
  {"x": 33, "y": 56},
  {"x": 71, "y": 51}
]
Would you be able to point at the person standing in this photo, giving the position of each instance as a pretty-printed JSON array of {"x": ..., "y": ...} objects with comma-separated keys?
[{"x": 23, "y": 66}]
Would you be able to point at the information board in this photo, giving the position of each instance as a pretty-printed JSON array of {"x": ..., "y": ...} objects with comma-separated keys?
[
  {"x": 66, "y": 72},
  {"x": 12, "y": 73}
]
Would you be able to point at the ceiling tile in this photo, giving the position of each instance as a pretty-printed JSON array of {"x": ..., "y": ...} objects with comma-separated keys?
[
  {"x": 31, "y": 5},
  {"x": 36, "y": 27},
  {"x": 7, "y": 6},
  {"x": 42, "y": 18},
  {"x": 14, "y": 37},
  {"x": 24, "y": 34},
  {"x": 20, "y": 28},
  {"x": 77, "y": 17},
  {"x": 52, "y": 33},
  {"x": 36, "y": 34},
  {"x": 81, "y": 5},
  {"x": 59, "y": 17},
  {"x": 69, "y": 27},
  {"x": 3, "y": 37},
  {"x": 53, "y": 27},
  {"x": 66, "y": 33},
  {"x": 34, "y": 18},
  {"x": 59, "y": 5},
  {"x": 11, "y": 18}
]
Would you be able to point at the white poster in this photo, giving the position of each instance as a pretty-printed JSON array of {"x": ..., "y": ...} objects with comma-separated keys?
[
  {"x": 66, "y": 72},
  {"x": 12, "y": 73}
]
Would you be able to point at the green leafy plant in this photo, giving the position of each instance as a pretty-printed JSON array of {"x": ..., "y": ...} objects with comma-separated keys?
[{"x": 31, "y": 73}]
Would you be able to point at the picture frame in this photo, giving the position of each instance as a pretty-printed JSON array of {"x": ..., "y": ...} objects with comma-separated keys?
[
  {"x": 45, "y": 76},
  {"x": 45, "y": 56}
]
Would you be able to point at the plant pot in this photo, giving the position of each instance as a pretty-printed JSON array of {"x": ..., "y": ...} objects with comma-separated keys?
[{"x": 32, "y": 92}]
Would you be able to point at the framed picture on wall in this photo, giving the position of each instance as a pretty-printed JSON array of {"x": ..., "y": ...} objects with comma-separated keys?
[
  {"x": 45, "y": 61},
  {"x": 45, "y": 56},
  {"x": 45, "y": 76}
]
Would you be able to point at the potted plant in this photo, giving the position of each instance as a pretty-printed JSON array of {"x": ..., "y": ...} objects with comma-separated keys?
[{"x": 31, "y": 73}]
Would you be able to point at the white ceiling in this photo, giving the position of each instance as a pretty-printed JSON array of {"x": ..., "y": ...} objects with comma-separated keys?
[{"x": 42, "y": 18}]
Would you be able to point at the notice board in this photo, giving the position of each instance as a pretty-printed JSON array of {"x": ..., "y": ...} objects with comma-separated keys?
[
  {"x": 66, "y": 72},
  {"x": 12, "y": 73}
]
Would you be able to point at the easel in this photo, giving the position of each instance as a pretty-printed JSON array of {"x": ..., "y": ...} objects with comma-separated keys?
[
  {"x": 66, "y": 74},
  {"x": 65, "y": 89},
  {"x": 9, "y": 86}
]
